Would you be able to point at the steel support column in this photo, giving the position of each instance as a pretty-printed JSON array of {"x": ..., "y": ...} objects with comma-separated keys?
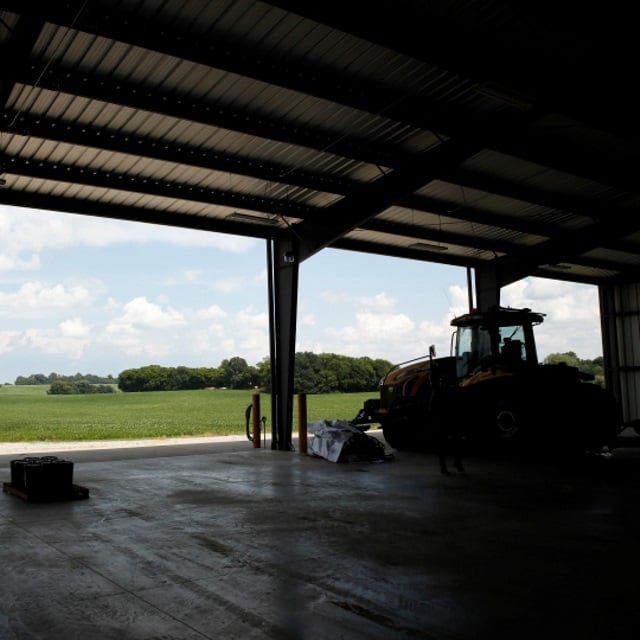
[
  {"x": 610, "y": 339},
  {"x": 487, "y": 288},
  {"x": 283, "y": 267}
]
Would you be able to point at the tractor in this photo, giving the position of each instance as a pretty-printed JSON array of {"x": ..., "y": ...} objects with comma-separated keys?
[{"x": 493, "y": 390}]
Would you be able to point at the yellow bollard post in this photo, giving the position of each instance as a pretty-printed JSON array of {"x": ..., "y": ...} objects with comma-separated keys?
[
  {"x": 255, "y": 400},
  {"x": 302, "y": 423}
]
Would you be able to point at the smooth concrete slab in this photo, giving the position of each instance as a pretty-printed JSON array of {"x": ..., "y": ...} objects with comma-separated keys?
[{"x": 221, "y": 540}]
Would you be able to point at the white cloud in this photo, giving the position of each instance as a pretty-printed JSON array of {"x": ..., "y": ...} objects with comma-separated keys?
[
  {"x": 459, "y": 301},
  {"x": 249, "y": 318},
  {"x": 74, "y": 328},
  {"x": 334, "y": 297},
  {"x": 8, "y": 340},
  {"x": 262, "y": 277},
  {"x": 69, "y": 339},
  {"x": 186, "y": 277},
  {"x": 228, "y": 285},
  {"x": 384, "y": 335},
  {"x": 378, "y": 302},
  {"x": 136, "y": 346},
  {"x": 251, "y": 334},
  {"x": 34, "y": 299},
  {"x": 308, "y": 320},
  {"x": 13, "y": 262},
  {"x": 140, "y": 314},
  {"x": 214, "y": 312}
]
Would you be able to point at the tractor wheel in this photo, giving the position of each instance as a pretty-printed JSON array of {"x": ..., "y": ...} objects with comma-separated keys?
[
  {"x": 506, "y": 422},
  {"x": 401, "y": 429},
  {"x": 396, "y": 431}
]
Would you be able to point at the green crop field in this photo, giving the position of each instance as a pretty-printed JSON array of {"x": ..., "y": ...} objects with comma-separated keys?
[{"x": 28, "y": 414}]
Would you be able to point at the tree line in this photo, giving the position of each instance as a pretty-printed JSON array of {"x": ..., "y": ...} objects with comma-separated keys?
[
  {"x": 67, "y": 388},
  {"x": 41, "y": 378},
  {"x": 313, "y": 373},
  {"x": 594, "y": 367}
]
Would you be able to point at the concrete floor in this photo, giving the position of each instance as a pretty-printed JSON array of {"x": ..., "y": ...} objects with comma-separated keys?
[{"x": 216, "y": 541}]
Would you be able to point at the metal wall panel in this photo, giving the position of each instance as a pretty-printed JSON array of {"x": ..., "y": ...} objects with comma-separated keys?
[{"x": 620, "y": 313}]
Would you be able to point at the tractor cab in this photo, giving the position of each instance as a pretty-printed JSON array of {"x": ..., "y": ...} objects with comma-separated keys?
[{"x": 499, "y": 338}]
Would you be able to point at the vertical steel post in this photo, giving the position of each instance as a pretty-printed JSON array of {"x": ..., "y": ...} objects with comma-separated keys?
[
  {"x": 283, "y": 299},
  {"x": 302, "y": 422},
  {"x": 255, "y": 401}
]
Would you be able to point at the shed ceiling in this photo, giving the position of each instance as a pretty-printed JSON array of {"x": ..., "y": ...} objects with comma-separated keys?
[{"x": 469, "y": 133}]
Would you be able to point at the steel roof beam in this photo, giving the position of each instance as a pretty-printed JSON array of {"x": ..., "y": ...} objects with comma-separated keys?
[
  {"x": 249, "y": 122},
  {"x": 135, "y": 214},
  {"x": 149, "y": 186},
  {"x": 85, "y": 135}
]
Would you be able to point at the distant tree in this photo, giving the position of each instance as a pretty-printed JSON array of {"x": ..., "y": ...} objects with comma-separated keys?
[
  {"x": 593, "y": 367},
  {"x": 215, "y": 377},
  {"x": 193, "y": 378},
  {"x": 333, "y": 373},
  {"x": 40, "y": 378},
  {"x": 263, "y": 369},
  {"x": 236, "y": 373},
  {"x": 84, "y": 387},
  {"x": 66, "y": 388},
  {"x": 253, "y": 376},
  {"x": 61, "y": 388},
  {"x": 306, "y": 377},
  {"x": 104, "y": 388},
  {"x": 569, "y": 358},
  {"x": 381, "y": 368},
  {"x": 156, "y": 378},
  {"x": 34, "y": 378},
  {"x": 362, "y": 375},
  {"x": 150, "y": 378}
]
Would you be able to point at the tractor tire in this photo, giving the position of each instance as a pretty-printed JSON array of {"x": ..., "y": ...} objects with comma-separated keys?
[
  {"x": 506, "y": 421},
  {"x": 404, "y": 429},
  {"x": 397, "y": 431},
  {"x": 506, "y": 431}
]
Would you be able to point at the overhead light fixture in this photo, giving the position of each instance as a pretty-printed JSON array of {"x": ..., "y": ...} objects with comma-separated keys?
[
  {"x": 557, "y": 267},
  {"x": 428, "y": 246},
  {"x": 248, "y": 217}
]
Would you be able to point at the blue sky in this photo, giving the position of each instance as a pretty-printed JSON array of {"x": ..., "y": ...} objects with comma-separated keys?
[{"x": 91, "y": 295}]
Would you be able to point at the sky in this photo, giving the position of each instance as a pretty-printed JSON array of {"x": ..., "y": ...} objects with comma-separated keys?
[{"x": 97, "y": 296}]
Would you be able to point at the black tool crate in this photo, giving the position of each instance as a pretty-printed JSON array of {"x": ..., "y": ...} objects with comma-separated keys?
[{"x": 43, "y": 479}]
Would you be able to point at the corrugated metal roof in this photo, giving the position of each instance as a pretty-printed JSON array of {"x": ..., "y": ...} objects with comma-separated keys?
[{"x": 473, "y": 133}]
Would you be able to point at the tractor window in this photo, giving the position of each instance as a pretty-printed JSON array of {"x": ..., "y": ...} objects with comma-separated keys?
[
  {"x": 473, "y": 347},
  {"x": 512, "y": 345}
]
